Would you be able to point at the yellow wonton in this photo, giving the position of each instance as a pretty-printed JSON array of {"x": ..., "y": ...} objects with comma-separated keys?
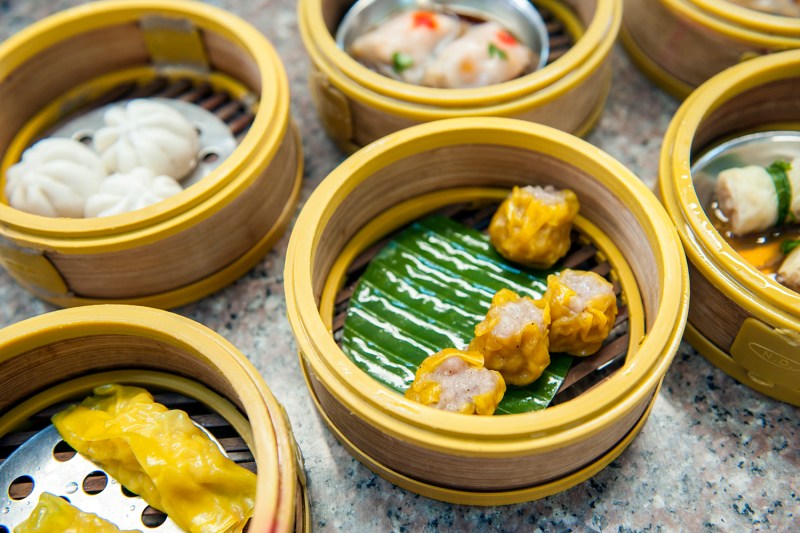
[
  {"x": 162, "y": 456},
  {"x": 454, "y": 380},
  {"x": 583, "y": 308},
  {"x": 513, "y": 337},
  {"x": 55, "y": 515},
  {"x": 532, "y": 226}
]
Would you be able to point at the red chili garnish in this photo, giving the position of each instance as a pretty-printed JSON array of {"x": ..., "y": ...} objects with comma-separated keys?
[
  {"x": 424, "y": 18},
  {"x": 505, "y": 37}
]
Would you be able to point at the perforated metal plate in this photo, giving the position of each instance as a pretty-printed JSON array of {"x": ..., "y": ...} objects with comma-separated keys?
[
  {"x": 215, "y": 137},
  {"x": 76, "y": 479}
]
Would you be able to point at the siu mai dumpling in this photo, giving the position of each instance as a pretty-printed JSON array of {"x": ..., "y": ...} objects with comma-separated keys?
[
  {"x": 532, "y": 226},
  {"x": 583, "y": 308},
  {"x": 56, "y": 515},
  {"x": 485, "y": 55},
  {"x": 454, "y": 380},
  {"x": 147, "y": 133},
  {"x": 54, "y": 178},
  {"x": 789, "y": 271},
  {"x": 122, "y": 193},
  {"x": 513, "y": 337},
  {"x": 755, "y": 198},
  {"x": 401, "y": 46}
]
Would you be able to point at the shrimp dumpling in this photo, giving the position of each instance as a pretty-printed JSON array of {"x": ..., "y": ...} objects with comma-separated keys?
[
  {"x": 454, "y": 380},
  {"x": 755, "y": 198},
  {"x": 122, "y": 193},
  {"x": 54, "y": 178},
  {"x": 401, "y": 46},
  {"x": 532, "y": 226},
  {"x": 583, "y": 308},
  {"x": 147, "y": 133},
  {"x": 513, "y": 337},
  {"x": 485, "y": 55}
]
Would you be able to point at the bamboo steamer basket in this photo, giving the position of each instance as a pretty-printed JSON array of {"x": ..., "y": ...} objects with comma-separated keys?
[
  {"x": 78, "y": 349},
  {"x": 442, "y": 455},
  {"x": 682, "y": 43},
  {"x": 358, "y": 106},
  {"x": 742, "y": 321},
  {"x": 187, "y": 246}
]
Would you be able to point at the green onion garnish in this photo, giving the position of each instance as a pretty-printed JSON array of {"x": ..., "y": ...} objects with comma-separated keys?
[
  {"x": 495, "y": 51},
  {"x": 789, "y": 245},
  {"x": 401, "y": 62},
  {"x": 783, "y": 188}
]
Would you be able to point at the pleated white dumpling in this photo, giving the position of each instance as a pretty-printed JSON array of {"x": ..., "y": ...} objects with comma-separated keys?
[
  {"x": 145, "y": 133},
  {"x": 125, "y": 192},
  {"x": 54, "y": 178},
  {"x": 485, "y": 55}
]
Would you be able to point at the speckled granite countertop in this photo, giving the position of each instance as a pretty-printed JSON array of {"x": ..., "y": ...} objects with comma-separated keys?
[{"x": 713, "y": 456}]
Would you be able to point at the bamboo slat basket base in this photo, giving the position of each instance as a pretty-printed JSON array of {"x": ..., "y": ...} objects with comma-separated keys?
[
  {"x": 463, "y": 497},
  {"x": 75, "y": 350},
  {"x": 357, "y": 108},
  {"x": 191, "y": 244}
]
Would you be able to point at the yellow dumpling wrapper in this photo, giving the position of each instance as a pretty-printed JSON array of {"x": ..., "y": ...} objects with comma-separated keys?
[
  {"x": 513, "y": 337},
  {"x": 455, "y": 380},
  {"x": 162, "y": 456},
  {"x": 583, "y": 308},
  {"x": 532, "y": 226},
  {"x": 55, "y": 515}
]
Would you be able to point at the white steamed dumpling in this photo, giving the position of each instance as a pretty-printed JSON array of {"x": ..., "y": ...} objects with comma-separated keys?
[
  {"x": 54, "y": 178},
  {"x": 146, "y": 133},
  {"x": 125, "y": 192}
]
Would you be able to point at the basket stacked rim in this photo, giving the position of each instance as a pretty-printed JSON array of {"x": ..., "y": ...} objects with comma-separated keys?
[
  {"x": 336, "y": 382},
  {"x": 761, "y": 351},
  {"x": 50, "y": 256}
]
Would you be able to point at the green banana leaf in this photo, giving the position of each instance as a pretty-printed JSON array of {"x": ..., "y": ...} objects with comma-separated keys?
[{"x": 425, "y": 291}]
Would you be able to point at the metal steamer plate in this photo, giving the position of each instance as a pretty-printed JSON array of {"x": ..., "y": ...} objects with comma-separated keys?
[
  {"x": 35, "y": 462},
  {"x": 754, "y": 149},
  {"x": 215, "y": 137}
]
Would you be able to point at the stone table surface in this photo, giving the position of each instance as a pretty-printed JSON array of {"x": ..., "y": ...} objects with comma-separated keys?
[{"x": 713, "y": 456}]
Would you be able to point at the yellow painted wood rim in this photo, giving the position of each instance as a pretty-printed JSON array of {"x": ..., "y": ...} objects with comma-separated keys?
[
  {"x": 713, "y": 257},
  {"x": 462, "y": 497},
  {"x": 749, "y": 18},
  {"x": 738, "y": 23},
  {"x": 270, "y": 436},
  {"x": 425, "y": 103},
  {"x": 205, "y": 198},
  {"x": 509, "y": 435}
]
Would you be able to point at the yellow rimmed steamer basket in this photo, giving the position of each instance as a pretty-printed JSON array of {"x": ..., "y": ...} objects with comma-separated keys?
[
  {"x": 745, "y": 323},
  {"x": 682, "y": 43},
  {"x": 61, "y": 356},
  {"x": 358, "y": 106},
  {"x": 505, "y": 458},
  {"x": 189, "y": 245}
]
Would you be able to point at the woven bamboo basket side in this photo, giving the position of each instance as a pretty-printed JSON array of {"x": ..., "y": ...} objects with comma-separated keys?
[
  {"x": 70, "y": 358},
  {"x": 75, "y": 60},
  {"x": 484, "y": 165},
  {"x": 193, "y": 254},
  {"x": 689, "y": 52},
  {"x": 466, "y": 472},
  {"x": 770, "y": 103}
]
